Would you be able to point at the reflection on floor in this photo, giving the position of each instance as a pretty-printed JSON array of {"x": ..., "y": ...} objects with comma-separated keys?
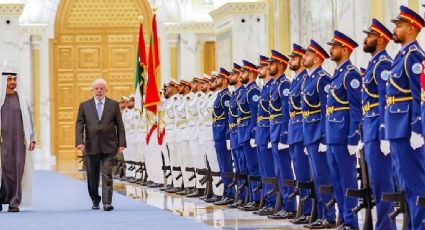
[{"x": 193, "y": 208}]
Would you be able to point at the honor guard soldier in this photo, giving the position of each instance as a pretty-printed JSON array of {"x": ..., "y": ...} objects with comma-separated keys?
[
  {"x": 247, "y": 122},
  {"x": 192, "y": 114},
  {"x": 403, "y": 125},
  {"x": 170, "y": 134},
  {"x": 183, "y": 135},
  {"x": 313, "y": 104},
  {"x": 343, "y": 117},
  {"x": 130, "y": 154},
  {"x": 279, "y": 118},
  {"x": 213, "y": 175},
  {"x": 295, "y": 131},
  {"x": 376, "y": 148},
  {"x": 262, "y": 139},
  {"x": 240, "y": 176},
  {"x": 220, "y": 129}
]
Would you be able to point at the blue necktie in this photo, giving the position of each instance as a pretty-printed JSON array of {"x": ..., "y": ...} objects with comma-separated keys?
[{"x": 99, "y": 110}]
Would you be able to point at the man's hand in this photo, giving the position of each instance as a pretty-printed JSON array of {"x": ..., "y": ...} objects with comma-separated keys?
[
  {"x": 32, "y": 146},
  {"x": 80, "y": 147},
  {"x": 282, "y": 146},
  {"x": 252, "y": 143},
  {"x": 121, "y": 149}
]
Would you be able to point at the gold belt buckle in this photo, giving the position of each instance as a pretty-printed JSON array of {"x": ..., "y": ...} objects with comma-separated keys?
[
  {"x": 330, "y": 110},
  {"x": 390, "y": 100}
]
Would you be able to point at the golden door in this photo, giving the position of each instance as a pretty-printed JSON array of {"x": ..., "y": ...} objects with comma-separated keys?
[{"x": 93, "y": 39}]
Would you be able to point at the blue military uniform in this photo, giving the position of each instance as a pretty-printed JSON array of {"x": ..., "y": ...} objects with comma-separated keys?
[
  {"x": 373, "y": 105},
  {"x": 313, "y": 104},
  {"x": 247, "y": 121},
  {"x": 279, "y": 118},
  {"x": 220, "y": 128},
  {"x": 295, "y": 131},
  {"x": 238, "y": 157},
  {"x": 343, "y": 117},
  {"x": 403, "y": 118},
  {"x": 262, "y": 139}
]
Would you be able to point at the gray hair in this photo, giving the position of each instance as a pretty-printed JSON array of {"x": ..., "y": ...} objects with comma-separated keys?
[{"x": 99, "y": 81}]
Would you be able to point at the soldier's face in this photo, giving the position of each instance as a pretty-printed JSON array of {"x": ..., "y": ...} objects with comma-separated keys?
[
  {"x": 130, "y": 103},
  {"x": 195, "y": 86},
  {"x": 370, "y": 42},
  {"x": 400, "y": 30},
  {"x": 99, "y": 91},
  {"x": 244, "y": 77},
  {"x": 295, "y": 63},
  {"x": 11, "y": 82},
  {"x": 233, "y": 78},
  {"x": 171, "y": 90},
  {"x": 273, "y": 68},
  {"x": 336, "y": 52},
  {"x": 205, "y": 86},
  {"x": 308, "y": 59},
  {"x": 262, "y": 71},
  {"x": 181, "y": 88},
  {"x": 213, "y": 86}
]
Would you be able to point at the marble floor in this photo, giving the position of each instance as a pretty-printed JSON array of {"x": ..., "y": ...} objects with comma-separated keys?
[{"x": 192, "y": 208}]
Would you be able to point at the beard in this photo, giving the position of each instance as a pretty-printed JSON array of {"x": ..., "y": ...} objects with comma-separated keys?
[
  {"x": 396, "y": 39},
  {"x": 295, "y": 67},
  {"x": 369, "y": 48}
]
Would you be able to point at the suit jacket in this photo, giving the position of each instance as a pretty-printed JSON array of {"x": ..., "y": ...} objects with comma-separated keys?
[{"x": 100, "y": 137}]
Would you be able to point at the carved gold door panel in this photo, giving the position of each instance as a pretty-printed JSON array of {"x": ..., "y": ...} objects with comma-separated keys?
[{"x": 93, "y": 39}]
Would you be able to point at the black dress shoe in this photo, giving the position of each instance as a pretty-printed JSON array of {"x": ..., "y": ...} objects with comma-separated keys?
[
  {"x": 168, "y": 186},
  {"x": 236, "y": 204},
  {"x": 301, "y": 220},
  {"x": 108, "y": 207},
  {"x": 213, "y": 199},
  {"x": 268, "y": 211},
  {"x": 196, "y": 193},
  {"x": 13, "y": 209},
  {"x": 281, "y": 215},
  {"x": 253, "y": 206},
  {"x": 185, "y": 192},
  {"x": 321, "y": 224},
  {"x": 95, "y": 206},
  {"x": 1, "y": 207},
  {"x": 259, "y": 210},
  {"x": 173, "y": 190},
  {"x": 224, "y": 201}
]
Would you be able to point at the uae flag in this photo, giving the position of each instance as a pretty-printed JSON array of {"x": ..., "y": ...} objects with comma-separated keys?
[
  {"x": 141, "y": 66},
  {"x": 152, "y": 98}
]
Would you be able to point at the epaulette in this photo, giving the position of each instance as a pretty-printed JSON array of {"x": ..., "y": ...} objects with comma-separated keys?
[
  {"x": 351, "y": 67},
  {"x": 383, "y": 58},
  {"x": 413, "y": 48},
  {"x": 322, "y": 73}
]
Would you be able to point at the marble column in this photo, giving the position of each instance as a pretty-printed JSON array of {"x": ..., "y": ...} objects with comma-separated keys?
[
  {"x": 241, "y": 32},
  {"x": 186, "y": 41}
]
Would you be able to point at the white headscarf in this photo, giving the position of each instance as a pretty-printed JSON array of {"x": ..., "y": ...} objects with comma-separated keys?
[{"x": 29, "y": 132}]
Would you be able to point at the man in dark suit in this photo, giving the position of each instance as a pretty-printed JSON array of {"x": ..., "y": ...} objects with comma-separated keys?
[{"x": 100, "y": 134}]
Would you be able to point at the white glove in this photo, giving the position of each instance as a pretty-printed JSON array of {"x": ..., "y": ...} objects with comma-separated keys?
[
  {"x": 269, "y": 145},
  {"x": 305, "y": 151},
  {"x": 281, "y": 146},
  {"x": 323, "y": 148},
  {"x": 416, "y": 140},
  {"x": 228, "y": 144},
  {"x": 352, "y": 149},
  {"x": 385, "y": 147},
  {"x": 252, "y": 143}
]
